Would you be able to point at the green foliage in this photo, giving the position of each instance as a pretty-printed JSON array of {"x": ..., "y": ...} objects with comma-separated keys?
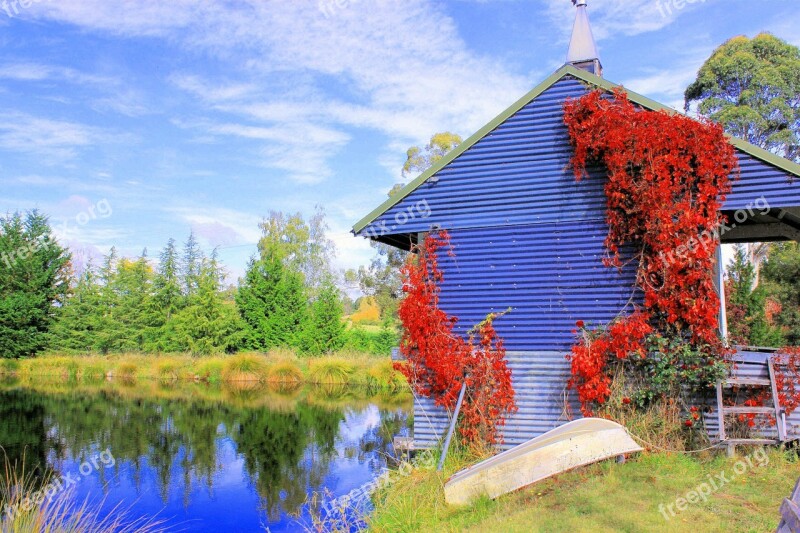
[
  {"x": 331, "y": 370},
  {"x": 126, "y": 306},
  {"x": 272, "y": 303},
  {"x": 324, "y": 330},
  {"x": 782, "y": 272},
  {"x": 673, "y": 369},
  {"x": 34, "y": 274},
  {"x": 752, "y": 88},
  {"x": 418, "y": 160},
  {"x": 303, "y": 247},
  {"x": 381, "y": 342},
  {"x": 245, "y": 367},
  {"x": 745, "y": 305}
]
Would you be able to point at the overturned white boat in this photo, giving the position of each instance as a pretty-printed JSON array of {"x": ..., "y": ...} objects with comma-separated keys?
[{"x": 577, "y": 443}]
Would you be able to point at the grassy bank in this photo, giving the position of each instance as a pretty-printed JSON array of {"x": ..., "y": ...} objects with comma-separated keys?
[
  {"x": 280, "y": 367},
  {"x": 603, "y": 497}
]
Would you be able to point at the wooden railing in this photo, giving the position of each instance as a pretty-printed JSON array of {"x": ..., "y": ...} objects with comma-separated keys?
[{"x": 790, "y": 512}]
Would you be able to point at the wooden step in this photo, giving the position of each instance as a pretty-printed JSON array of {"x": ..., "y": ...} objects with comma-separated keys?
[
  {"x": 736, "y": 382},
  {"x": 749, "y": 441},
  {"x": 748, "y": 410}
]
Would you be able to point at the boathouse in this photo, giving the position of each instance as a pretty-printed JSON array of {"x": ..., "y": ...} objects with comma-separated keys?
[{"x": 527, "y": 236}]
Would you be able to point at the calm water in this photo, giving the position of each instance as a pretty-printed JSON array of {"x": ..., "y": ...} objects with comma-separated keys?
[{"x": 204, "y": 459}]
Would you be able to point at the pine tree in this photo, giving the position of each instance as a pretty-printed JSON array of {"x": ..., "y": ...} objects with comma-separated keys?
[
  {"x": 192, "y": 261},
  {"x": 324, "y": 329},
  {"x": 78, "y": 323},
  {"x": 167, "y": 283},
  {"x": 34, "y": 283},
  {"x": 207, "y": 324},
  {"x": 272, "y": 303},
  {"x": 782, "y": 274},
  {"x": 136, "y": 315},
  {"x": 745, "y": 305}
]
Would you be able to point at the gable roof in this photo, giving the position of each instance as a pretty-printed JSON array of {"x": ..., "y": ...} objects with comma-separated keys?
[{"x": 587, "y": 77}]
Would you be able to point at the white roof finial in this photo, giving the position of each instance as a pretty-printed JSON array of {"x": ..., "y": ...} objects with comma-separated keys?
[{"x": 582, "y": 48}]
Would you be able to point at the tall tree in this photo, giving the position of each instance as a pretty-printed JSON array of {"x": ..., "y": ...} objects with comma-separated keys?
[
  {"x": 782, "y": 271},
  {"x": 137, "y": 315},
  {"x": 167, "y": 283},
  {"x": 420, "y": 159},
  {"x": 324, "y": 329},
  {"x": 34, "y": 282},
  {"x": 745, "y": 305},
  {"x": 302, "y": 246},
  {"x": 78, "y": 322},
  {"x": 272, "y": 303},
  {"x": 207, "y": 324},
  {"x": 192, "y": 261},
  {"x": 752, "y": 88}
]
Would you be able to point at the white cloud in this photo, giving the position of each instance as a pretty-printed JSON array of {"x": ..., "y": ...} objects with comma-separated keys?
[
  {"x": 404, "y": 64},
  {"x": 619, "y": 17},
  {"x": 53, "y": 139}
]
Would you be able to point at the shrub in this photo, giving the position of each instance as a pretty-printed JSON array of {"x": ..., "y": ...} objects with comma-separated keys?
[
  {"x": 245, "y": 367},
  {"x": 284, "y": 372},
  {"x": 330, "y": 370},
  {"x": 211, "y": 370},
  {"x": 126, "y": 370},
  {"x": 384, "y": 376},
  {"x": 168, "y": 369}
]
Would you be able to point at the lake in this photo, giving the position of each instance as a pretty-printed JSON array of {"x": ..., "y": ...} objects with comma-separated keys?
[{"x": 202, "y": 458}]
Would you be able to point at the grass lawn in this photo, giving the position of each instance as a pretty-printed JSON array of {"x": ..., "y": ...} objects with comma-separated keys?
[{"x": 607, "y": 497}]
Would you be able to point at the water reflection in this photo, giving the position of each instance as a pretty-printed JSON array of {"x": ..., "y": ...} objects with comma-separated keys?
[{"x": 209, "y": 458}]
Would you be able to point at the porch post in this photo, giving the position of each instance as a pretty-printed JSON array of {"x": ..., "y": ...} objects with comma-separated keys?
[{"x": 719, "y": 284}]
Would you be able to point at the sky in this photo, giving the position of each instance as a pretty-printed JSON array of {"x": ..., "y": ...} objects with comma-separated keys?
[{"x": 130, "y": 122}]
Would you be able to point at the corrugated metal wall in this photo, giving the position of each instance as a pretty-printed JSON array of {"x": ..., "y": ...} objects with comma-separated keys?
[
  {"x": 529, "y": 237},
  {"x": 519, "y": 174}
]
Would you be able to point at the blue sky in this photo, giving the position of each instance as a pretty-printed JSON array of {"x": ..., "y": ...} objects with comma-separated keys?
[{"x": 130, "y": 122}]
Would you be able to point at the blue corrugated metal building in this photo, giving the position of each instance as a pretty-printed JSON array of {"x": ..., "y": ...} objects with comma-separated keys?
[{"x": 526, "y": 235}]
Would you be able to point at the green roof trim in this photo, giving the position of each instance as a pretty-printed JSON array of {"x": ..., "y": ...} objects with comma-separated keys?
[{"x": 587, "y": 77}]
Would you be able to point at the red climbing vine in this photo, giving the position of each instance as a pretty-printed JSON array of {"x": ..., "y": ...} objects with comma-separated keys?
[
  {"x": 667, "y": 176},
  {"x": 786, "y": 363},
  {"x": 439, "y": 361}
]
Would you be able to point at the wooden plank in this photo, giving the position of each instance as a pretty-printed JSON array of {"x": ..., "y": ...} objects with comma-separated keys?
[
  {"x": 776, "y": 401},
  {"x": 720, "y": 414},
  {"x": 737, "y": 382},
  {"x": 748, "y": 410},
  {"x": 790, "y": 516},
  {"x": 751, "y": 441}
]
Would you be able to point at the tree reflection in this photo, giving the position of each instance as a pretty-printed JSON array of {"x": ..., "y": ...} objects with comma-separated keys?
[{"x": 286, "y": 440}]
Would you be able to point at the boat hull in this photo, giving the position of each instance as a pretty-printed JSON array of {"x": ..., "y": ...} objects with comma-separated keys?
[{"x": 577, "y": 443}]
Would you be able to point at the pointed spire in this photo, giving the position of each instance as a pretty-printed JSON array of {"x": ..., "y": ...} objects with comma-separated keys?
[{"x": 582, "y": 48}]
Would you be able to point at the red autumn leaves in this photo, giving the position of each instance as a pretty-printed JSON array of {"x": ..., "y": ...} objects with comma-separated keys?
[
  {"x": 439, "y": 361},
  {"x": 667, "y": 176}
]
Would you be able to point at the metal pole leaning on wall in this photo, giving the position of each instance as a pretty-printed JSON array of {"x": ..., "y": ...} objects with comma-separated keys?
[{"x": 452, "y": 427}]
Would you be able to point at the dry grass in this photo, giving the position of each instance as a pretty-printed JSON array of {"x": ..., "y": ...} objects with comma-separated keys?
[
  {"x": 58, "y": 512},
  {"x": 277, "y": 366}
]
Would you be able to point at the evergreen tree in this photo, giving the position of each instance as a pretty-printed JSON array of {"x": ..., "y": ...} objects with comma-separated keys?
[
  {"x": 745, "y": 305},
  {"x": 272, "y": 303},
  {"x": 324, "y": 329},
  {"x": 782, "y": 274},
  {"x": 192, "y": 261},
  {"x": 109, "y": 329},
  {"x": 207, "y": 324},
  {"x": 34, "y": 283},
  {"x": 167, "y": 283},
  {"x": 136, "y": 315},
  {"x": 78, "y": 323}
]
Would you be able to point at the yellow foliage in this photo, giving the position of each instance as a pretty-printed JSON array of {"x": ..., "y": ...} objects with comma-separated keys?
[{"x": 368, "y": 311}]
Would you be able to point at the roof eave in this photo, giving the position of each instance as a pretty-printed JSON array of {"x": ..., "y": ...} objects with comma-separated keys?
[{"x": 592, "y": 79}]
